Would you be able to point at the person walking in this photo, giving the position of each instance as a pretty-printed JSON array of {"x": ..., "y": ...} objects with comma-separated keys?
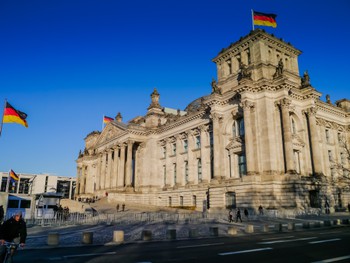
[
  {"x": 238, "y": 215},
  {"x": 261, "y": 211},
  {"x": 246, "y": 213},
  {"x": 12, "y": 230},
  {"x": 230, "y": 216}
]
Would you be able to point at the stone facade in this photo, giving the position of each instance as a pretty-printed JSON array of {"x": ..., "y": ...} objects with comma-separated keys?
[{"x": 262, "y": 137}]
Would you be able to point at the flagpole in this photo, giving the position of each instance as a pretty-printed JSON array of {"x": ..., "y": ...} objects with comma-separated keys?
[
  {"x": 8, "y": 183},
  {"x": 252, "y": 19},
  {"x": 102, "y": 122},
  {"x": 2, "y": 119}
]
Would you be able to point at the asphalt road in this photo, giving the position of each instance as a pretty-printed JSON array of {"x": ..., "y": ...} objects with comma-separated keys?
[{"x": 317, "y": 245}]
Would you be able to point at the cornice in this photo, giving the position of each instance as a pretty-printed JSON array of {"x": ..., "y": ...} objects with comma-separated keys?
[
  {"x": 178, "y": 123},
  {"x": 234, "y": 48},
  {"x": 325, "y": 107}
]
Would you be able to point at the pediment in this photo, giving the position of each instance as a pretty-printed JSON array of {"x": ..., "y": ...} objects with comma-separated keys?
[
  {"x": 110, "y": 132},
  {"x": 235, "y": 145}
]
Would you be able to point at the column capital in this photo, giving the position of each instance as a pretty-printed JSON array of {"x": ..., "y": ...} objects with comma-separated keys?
[
  {"x": 285, "y": 103},
  {"x": 247, "y": 105},
  {"x": 216, "y": 116},
  {"x": 311, "y": 111}
]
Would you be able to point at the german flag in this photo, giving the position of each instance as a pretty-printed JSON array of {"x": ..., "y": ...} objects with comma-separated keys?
[
  {"x": 263, "y": 19},
  {"x": 14, "y": 177},
  {"x": 11, "y": 115},
  {"x": 107, "y": 119}
]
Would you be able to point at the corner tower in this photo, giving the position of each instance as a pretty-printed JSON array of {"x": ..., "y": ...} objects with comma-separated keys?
[{"x": 258, "y": 56}]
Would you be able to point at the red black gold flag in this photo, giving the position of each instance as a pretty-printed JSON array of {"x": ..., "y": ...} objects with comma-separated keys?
[
  {"x": 13, "y": 176},
  {"x": 263, "y": 19},
  {"x": 11, "y": 115},
  {"x": 107, "y": 119}
]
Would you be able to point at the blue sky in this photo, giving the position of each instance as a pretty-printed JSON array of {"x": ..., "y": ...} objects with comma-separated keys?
[{"x": 67, "y": 63}]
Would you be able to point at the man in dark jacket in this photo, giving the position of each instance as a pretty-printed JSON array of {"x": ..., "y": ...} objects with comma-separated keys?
[{"x": 12, "y": 230}]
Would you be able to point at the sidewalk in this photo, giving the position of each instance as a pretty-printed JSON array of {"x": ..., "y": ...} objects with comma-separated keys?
[{"x": 103, "y": 233}]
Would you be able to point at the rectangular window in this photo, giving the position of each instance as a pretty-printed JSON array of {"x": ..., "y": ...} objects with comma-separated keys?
[
  {"x": 198, "y": 142},
  {"x": 194, "y": 200},
  {"x": 164, "y": 152},
  {"x": 327, "y": 135},
  {"x": 23, "y": 186},
  {"x": 164, "y": 174},
  {"x": 181, "y": 201},
  {"x": 174, "y": 173},
  {"x": 185, "y": 146},
  {"x": 3, "y": 184},
  {"x": 199, "y": 170},
  {"x": 330, "y": 157},
  {"x": 186, "y": 172},
  {"x": 242, "y": 166},
  {"x": 174, "y": 148},
  {"x": 25, "y": 203},
  {"x": 241, "y": 127}
]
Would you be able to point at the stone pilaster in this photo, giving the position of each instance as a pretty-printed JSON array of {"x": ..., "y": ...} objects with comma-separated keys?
[
  {"x": 205, "y": 153},
  {"x": 217, "y": 144},
  {"x": 315, "y": 147},
  {"x": 128, "y": 175},
  {"x": 121, "y": 170},
  {"x": 114, "y": 180},
  {"x": 287, "y": 136},
  {"x": 108, "y": 179},
  {"x": 103, "y": 171},
  {"x": 248, "y": 136}
]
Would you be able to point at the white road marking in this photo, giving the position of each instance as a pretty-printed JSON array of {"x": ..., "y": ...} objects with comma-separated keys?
[
  {"x": 244, "y": 251},
  {"x": 90, "y": 255},
  {"x": 283, "y": 241},
  {"x": 326, "y": 233},
  {"x": 324, "y": 241},
  {"x": 332, "y": 259},
  {"x": 273, "y": 238},
  {"x": 202, "y": 245}
]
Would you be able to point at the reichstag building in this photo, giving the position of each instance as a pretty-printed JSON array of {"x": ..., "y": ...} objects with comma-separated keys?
[{"x": 262, "y": 137}]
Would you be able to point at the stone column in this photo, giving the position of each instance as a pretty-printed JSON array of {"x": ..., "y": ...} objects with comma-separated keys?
[
  {"x": 103, "y": 170},
  {"x": 109, "y": 170},
  {"x": 128, "y": 175},
  {"x": 115, "y": 167},
  {"x": 81, "y": 181},
  {"x": 138, "y": 165},
  {"x": 217, "y": 145},
  {"x": 121, "y": 175},
  {"x": 287, "y": 136},
  {"x": 98, "y": 171},
  {"x": 315, "y": 147},
  {"x": 248, "y": 137}
]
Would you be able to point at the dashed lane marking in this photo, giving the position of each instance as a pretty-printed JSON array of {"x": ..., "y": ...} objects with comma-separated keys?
[
  {"x": 324, "y": 241},
  {"x": 332, "y": 259},
  {"x": 274, "y": 238},
  {"x": 202, "y": 245},
  {"x": 284, "y": 241},
  {"x": 244, "y": 251}
]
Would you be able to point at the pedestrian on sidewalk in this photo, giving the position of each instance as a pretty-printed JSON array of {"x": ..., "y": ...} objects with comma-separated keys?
[
  {"x": 238, "y": 215},
  {"x": 117, "y": 207},
  {"x": 230, "y": 216},
  {"x": 261, "y": 211},
  {"x": 246, "y": 214}
]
